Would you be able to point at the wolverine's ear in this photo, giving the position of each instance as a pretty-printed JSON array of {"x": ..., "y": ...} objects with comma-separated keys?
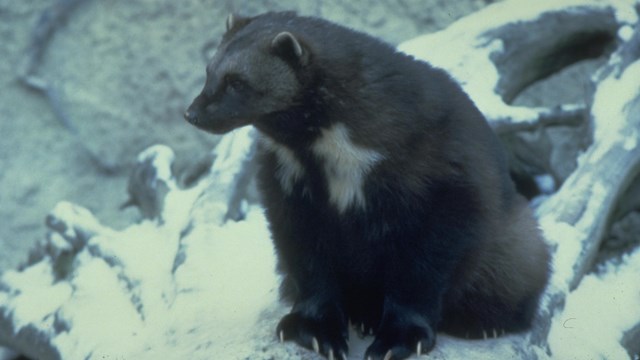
[
  {"x": 230, "y": 21},
  {"x": 236, "y": 21},
  {"x": 288, "y": 46}
]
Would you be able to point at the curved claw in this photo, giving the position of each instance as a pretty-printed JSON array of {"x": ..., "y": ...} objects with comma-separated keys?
[
  {"x": 324, "y": 338},
  {"x": 399, "y": 340}
]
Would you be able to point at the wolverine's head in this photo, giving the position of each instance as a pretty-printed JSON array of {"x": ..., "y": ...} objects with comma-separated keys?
[{"x": 253, "y": 74}]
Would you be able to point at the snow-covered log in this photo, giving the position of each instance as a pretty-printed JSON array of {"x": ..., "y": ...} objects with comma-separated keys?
[
  {"x": 499, "y": 51},
  {"x": 186, "y": 283},
  {"x": 178, "y": 285},
  {"x": 578, "y": 215}
]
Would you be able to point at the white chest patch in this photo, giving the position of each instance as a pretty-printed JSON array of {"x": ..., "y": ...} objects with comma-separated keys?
[
  {"x": 289, "y": 168},
  {"x": 346, "y": 166}
]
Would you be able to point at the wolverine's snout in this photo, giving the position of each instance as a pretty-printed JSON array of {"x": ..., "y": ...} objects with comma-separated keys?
[{"x": 191, "y": 116}]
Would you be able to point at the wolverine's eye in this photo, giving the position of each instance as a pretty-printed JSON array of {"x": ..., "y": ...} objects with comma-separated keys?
[{"x": 234, "y": 83}]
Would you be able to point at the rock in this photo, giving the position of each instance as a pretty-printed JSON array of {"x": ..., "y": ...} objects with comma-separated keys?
[{"x": 179, "y": 288}]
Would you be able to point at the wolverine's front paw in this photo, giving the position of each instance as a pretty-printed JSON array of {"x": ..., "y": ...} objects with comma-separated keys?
[
  {"x": 398, "y": 341},
  {"x": 326, "y": 335}
]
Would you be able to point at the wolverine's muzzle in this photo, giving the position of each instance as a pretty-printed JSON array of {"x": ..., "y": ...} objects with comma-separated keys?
[
  {"x": 212, "y": 121},
  {"x": 191, "y": 116}
]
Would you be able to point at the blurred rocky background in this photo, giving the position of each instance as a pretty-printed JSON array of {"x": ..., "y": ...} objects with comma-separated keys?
[{"x": 118, "y": 76}]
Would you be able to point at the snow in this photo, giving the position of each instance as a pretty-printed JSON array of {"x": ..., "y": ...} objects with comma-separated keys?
[
  {"x": 564, "y": 239},
  {"x": 468, "y": 56},
  {"x": 597, "y": 314},
  {"x": 230, "y": 153},
  {"x": 34, "y": 284},
  {"x": 625, "y": 33},
  {"x": 161, "y": 157},
  {"x": 117, "y": 322},
  {"x": 473, "y": 75},
  {"x": 79, "y": 227},
  {"x": 139, "y": 293},
  {"x": 603, "y": 307},
  {"x": 624, "y": 11},
  {"x": 611, "y": 111}
]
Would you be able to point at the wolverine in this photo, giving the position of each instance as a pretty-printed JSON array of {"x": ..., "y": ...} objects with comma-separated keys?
[{"x": 387, "y": 193}]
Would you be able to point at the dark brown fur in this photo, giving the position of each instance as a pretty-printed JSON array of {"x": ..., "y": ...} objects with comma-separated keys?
[{"x": 387, "y": 193}]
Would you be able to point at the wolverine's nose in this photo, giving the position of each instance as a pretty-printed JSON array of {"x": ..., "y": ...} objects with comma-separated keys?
[{"x": 191, "y": 116}]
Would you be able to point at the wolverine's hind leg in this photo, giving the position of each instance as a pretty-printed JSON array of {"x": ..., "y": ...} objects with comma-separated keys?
[
  {"x": 504, "y": 277},
  {"x": 477, "y": 316}
]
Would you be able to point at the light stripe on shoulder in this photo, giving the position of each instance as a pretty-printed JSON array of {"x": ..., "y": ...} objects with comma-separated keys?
[
  {"x": 289, "y": 169},
  {"x": 346, "y": 166}
]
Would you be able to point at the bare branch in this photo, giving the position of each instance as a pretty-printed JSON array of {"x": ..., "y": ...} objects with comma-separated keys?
[{"x": 564, "y": 115}]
